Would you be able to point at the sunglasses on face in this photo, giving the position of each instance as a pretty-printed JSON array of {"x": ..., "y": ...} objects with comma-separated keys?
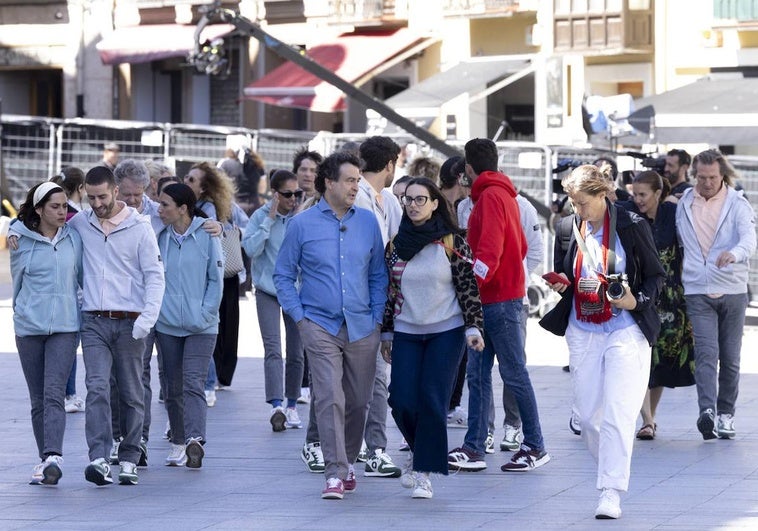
[
  {"x": 288, "y": 194},
  {"x": 420, "y": 200}
]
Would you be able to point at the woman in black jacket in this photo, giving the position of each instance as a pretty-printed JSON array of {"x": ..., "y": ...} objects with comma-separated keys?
[{"x": 610, "y": 279}]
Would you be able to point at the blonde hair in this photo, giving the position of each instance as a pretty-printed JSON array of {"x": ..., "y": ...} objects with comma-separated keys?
[
  {"x": 218, "y": 188},
  {"x": 587, "y": 179}
]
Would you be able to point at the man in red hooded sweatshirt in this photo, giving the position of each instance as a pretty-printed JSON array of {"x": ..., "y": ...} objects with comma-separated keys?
[{"x": 498, "y": 245}]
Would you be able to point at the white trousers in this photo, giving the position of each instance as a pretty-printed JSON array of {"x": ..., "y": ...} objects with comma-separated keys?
[{"x": 610, "y": 373}]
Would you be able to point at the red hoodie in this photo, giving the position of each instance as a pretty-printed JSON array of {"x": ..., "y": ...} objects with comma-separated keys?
[{"x": 496, "y": 238}]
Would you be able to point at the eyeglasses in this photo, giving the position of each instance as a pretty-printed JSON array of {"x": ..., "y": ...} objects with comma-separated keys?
[
  {"x": 288, "y": 194},
  {"x": 420, "y": 200}
]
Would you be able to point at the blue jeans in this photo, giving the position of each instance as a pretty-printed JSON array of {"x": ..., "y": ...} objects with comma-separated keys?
[
  {"x": 424, "y": 368},
  {"x": 502, "y": 338},
  {"x": 185, "y": 365},
  {"x": 717, "y": 332},
  {"x": 46, "y": 362},
  {"x": 108, "y": 343}
]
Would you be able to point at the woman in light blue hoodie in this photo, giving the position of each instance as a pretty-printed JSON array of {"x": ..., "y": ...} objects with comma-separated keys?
[
  {"x": 261, "y": 241},
  {"x": 47, "y": 273},
  {"x": 188, "y": 322}
]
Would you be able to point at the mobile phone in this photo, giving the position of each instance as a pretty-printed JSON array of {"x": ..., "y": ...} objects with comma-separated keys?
[{"x": 552, "y": 278}]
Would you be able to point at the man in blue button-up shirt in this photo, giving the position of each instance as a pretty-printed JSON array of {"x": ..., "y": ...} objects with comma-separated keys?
[{"x": 335, "y": 251}]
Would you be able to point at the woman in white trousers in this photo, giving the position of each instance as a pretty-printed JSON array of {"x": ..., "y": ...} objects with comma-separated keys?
[{"x": 609, "y": 278}]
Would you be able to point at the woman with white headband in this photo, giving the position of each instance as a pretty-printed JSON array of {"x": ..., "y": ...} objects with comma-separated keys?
[{"x": 46, "y": 272}]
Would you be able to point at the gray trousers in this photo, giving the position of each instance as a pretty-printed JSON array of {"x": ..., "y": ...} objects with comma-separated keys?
[
  {"x": 268, "y": 309},
  {"x": 108, "y": 343},
  {"x": 375, "y": 433},
  {"x": 185, "y": 366},
  {"x": 512, "y": 416},
  {"x": 117, "y": 407},
  {"x": 717, "y": 332},
  {"x": 46, "y": 362},
  {"x": 342, "y": 376}
]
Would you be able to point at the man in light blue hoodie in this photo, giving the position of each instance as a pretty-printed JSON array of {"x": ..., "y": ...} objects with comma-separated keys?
[
  {"x": 123, "y": 289},
  {"x": 716, "y": 228}
]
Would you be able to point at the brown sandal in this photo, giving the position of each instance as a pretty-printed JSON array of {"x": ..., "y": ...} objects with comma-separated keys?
[{"x": 647, "y": 432}]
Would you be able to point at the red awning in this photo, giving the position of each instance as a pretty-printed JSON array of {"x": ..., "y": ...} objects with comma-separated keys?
[
  {"x": 353, "y": 57},
  {"x": 142, "y": 44}
]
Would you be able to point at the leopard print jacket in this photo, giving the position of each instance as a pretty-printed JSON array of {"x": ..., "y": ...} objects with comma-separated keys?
[{"x": 464, "y": 281}]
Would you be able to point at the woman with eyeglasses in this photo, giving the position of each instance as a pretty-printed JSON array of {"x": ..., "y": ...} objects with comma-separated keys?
[
  {"x": 262, "y": 239},
  {"x": 433, "y": 307}
]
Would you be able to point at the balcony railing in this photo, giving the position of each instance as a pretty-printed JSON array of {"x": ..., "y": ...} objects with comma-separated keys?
[
  {"x": 457, "y": 8},
  {"x": 739, "y": 11},
  {"x": 359, "y": 12},
  {"x": 603, "y": 25}
]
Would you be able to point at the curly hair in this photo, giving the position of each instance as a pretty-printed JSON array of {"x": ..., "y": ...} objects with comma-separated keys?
[{"x": 218, "y": 189}]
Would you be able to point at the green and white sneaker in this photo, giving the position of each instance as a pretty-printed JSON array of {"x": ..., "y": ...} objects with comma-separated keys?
[
  {"x": 313, "y": 457},
  {"x": 363, "y": 455},
  {"x": 128, "y": 474},
  {"x": 512, "y": 440},
  {"x": 489, "y": 443},
  {"x": 380, "y": 465},
  {"x": 98, "y": 472}
]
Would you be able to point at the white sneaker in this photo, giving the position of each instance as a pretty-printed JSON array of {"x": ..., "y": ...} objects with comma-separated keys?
[
  {"x": 725, "y": 426},
  {"x": 293, "y": 419},
  {"x": 210, "y": 398},
  {"x": 51, "y": 470},
  {"x": 489, "y": 443},
  {"x": 73, "y": 404},
  {"x": 313, "y": 457},
  {"x": 305, "y": 396},
  {"x": 37, "y": 475},
  {"x": 167, "y": 431},
  {"x": 609, "y": 507},
  {"x": 422, "y": 487},
  {"x": 458, "y": 418},
  {"x": 512, "y": 440},
  {"x": 408, "y": 476},
  {"x": 177, "y": 456},
  {"x": 113, "y": 458},
  {"x": 278, "y": 419}
]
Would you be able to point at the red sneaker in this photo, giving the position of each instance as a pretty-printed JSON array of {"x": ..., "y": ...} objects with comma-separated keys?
[
  {"x": 350, "y": 484},
  {"x": 335, "y": 489}
]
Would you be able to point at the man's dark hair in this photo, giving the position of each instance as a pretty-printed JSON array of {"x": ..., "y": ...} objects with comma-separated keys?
[
  {"x": 99, "y": 175},
  {"x": 481, "y": 154},
  {"x": 683, "y": 157},
  {"x": 330, "y": 168},
  {"x": 377, "y": 151},
  {"x": 303, "y": 154},
  {"x": 610, "y": 162}
]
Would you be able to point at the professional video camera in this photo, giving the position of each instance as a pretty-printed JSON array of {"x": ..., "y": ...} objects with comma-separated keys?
[{"x": 650, "y": 161}]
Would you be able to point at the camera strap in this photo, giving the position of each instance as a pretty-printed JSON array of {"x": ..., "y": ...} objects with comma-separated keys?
[
  {"x": 611, "y": 256},
  {"x": 590, "y": 301}
]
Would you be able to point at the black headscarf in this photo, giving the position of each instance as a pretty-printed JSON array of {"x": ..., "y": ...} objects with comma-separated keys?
[{"x": 412, "y": 238}]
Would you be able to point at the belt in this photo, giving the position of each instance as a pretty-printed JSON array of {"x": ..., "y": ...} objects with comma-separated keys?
[{"x": 114, "y": 314}]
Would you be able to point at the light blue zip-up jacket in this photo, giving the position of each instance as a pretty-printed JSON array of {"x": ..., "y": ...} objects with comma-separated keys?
[
  {"x": 122, "y": 271},
  {"x": 46, "y": 278},
  {"x": 194, "y": 273},
  {"x": 735, "y": 232},
  {"x": 262, "y": 239}
]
